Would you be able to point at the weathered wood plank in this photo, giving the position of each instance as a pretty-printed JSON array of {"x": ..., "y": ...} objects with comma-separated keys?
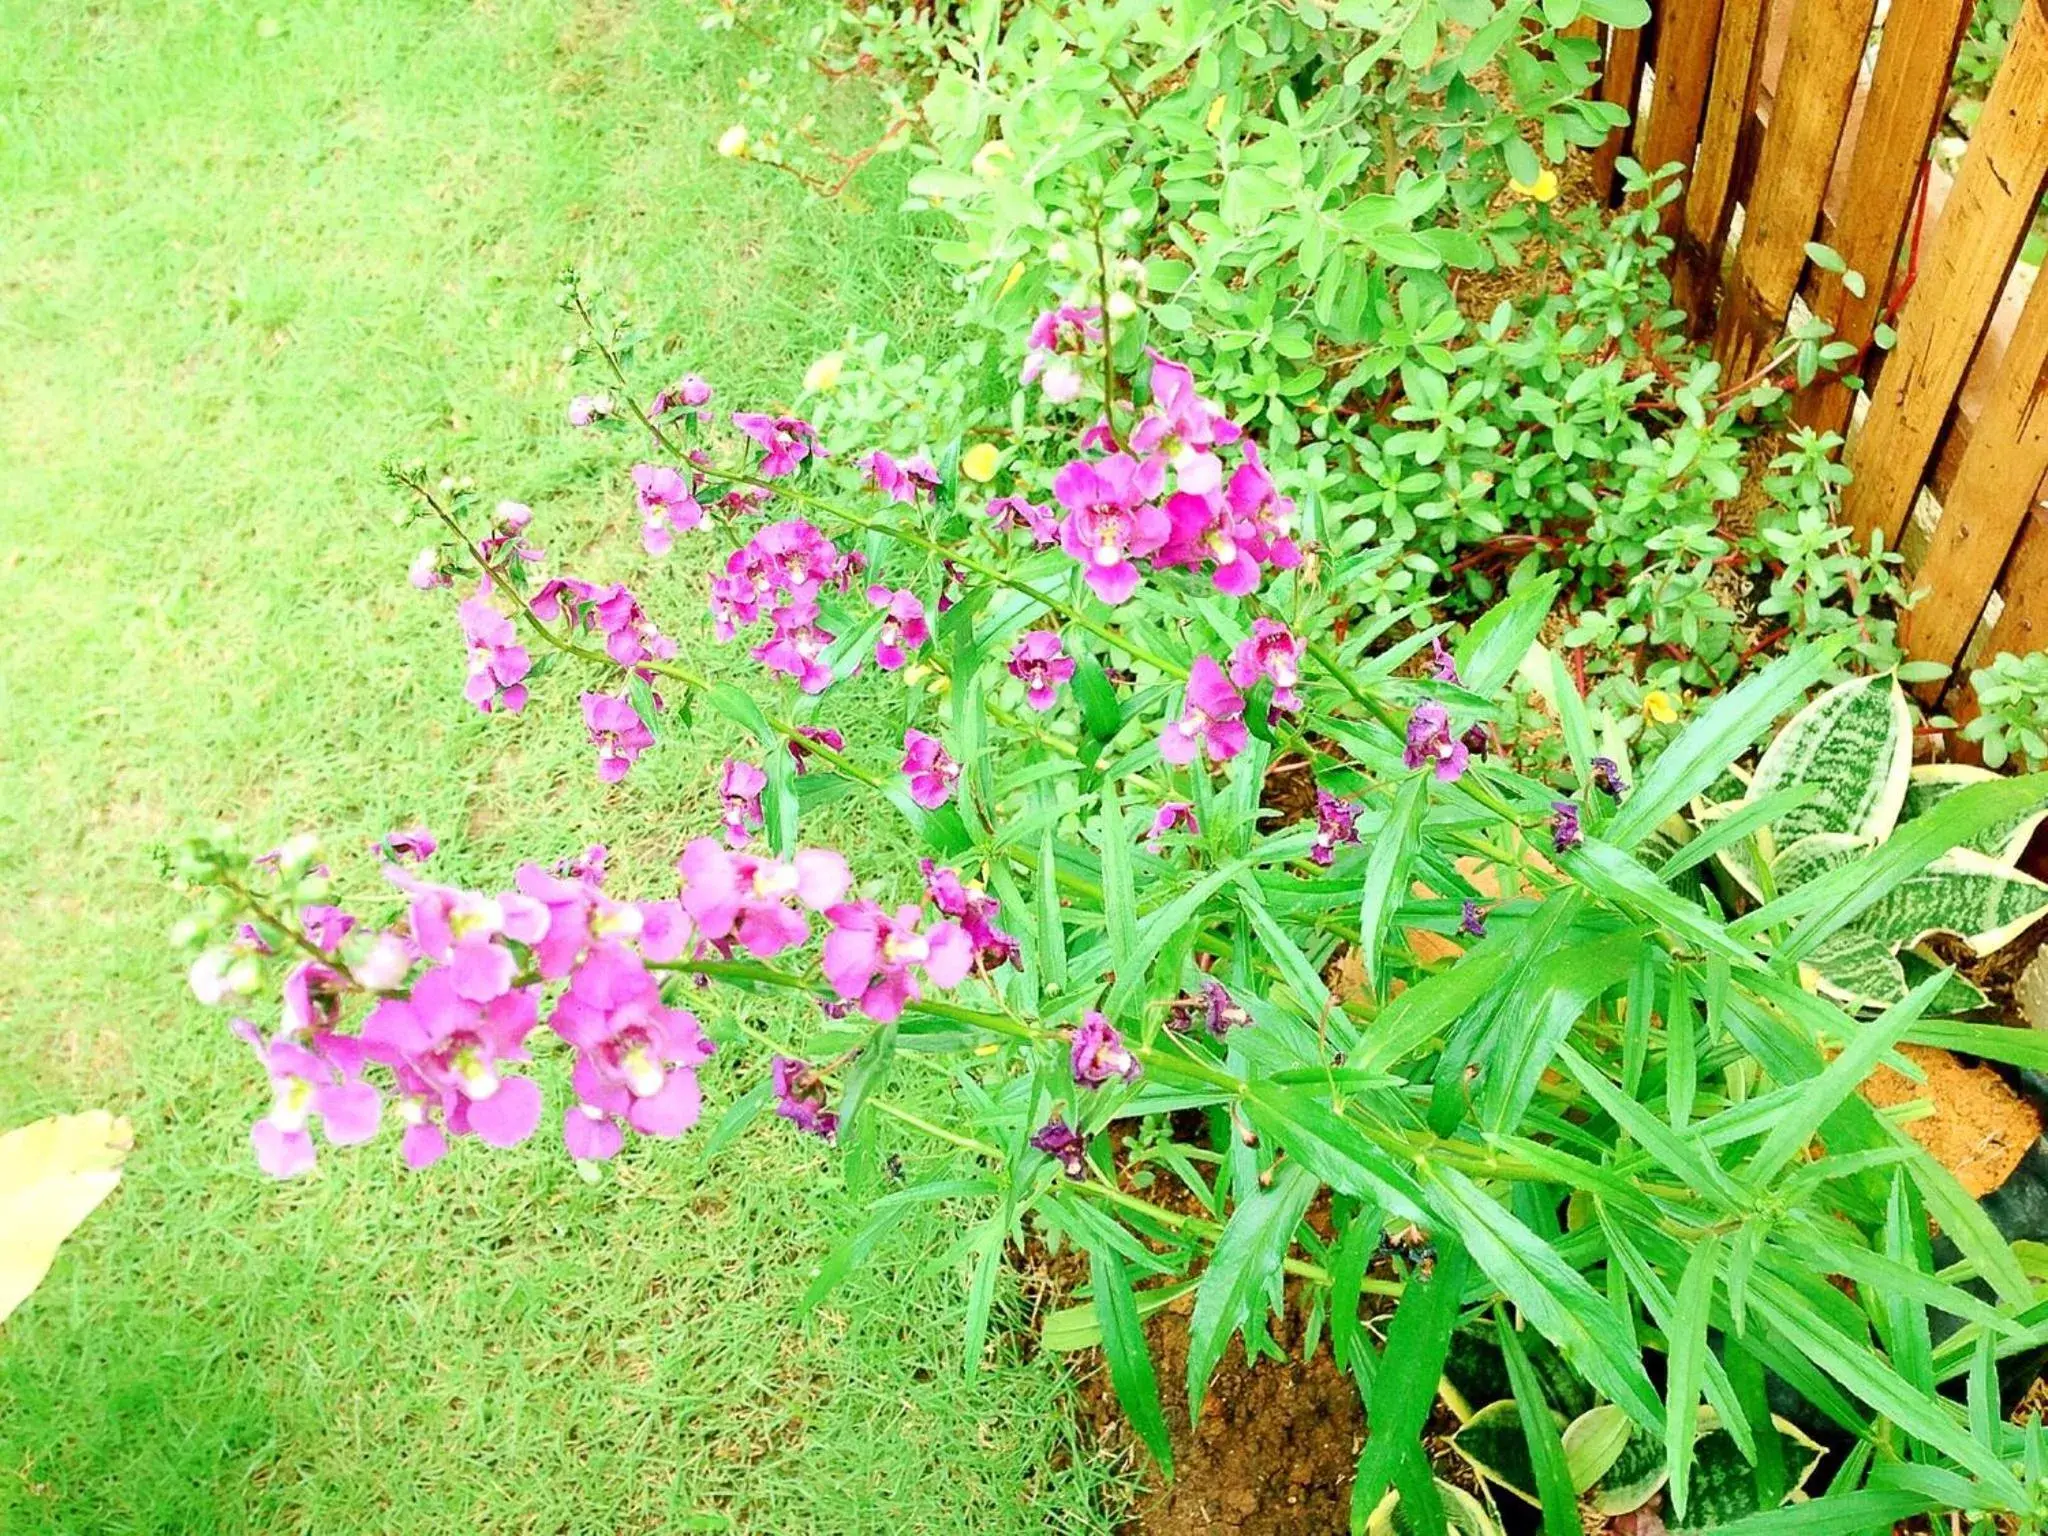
[
  {"x": 1680, "y": 71},
  {"x": 1963, "y": 267},
  {"x": 1621, "y": 82},
  {"x": 1876, "y": 203},
  {"x": 2023, "y": 626},
  {"x": 1710, "y": 200},
  {"x": 1823, "y": 52},
  {"x": 1988, "y": 501}
]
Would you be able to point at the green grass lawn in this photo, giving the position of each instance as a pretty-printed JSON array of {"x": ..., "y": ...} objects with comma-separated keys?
[{"x": 245, "y": 255}]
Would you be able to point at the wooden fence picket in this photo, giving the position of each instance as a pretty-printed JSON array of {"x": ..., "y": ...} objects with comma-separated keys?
[
  {"x": 1824, "y": 49},
  {"x": 1680, "y": 69},
  {"x": 1710, "y": 195},
  {"x": 1989, "y": 498},
  {"x": 1621, "y": 82},
  {"x": 1915, "y": 62},
  {"x": 1962, "y": 271}
]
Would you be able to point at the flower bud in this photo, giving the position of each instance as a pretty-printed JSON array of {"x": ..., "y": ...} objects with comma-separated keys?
[
  {"x": 1121, "y": 305},
  {"x": 733, "y": 142}
]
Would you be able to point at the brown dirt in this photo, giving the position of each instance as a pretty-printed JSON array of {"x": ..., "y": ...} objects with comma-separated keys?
[
  {"x": 1273, "y": 1453},
  {"x": 1980, "y": 1127}
]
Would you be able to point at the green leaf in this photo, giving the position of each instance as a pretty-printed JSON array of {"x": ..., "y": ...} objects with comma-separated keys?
[
  {"x": 1334, "y": 1150},
  {"x": 1837, "y": 899},
  {"x": 1593, "y": 1444},
  {"x": 1932, "y": 783},
  {"x": 1501, "y": 637},
  {"x": 1119, "y": 896},
  {"x": 1497, "y": 1444},
  {"x": 981, "y": 1290},
  {"x": 870, "y": 1070},
  {"x": 1687, "y": 1366},
  {"x": 1856, "y": 970},
  {"x": 1546, "y": 1451},
  {"x": 1853, "y": 747},
  {"x": 1433, "y": 1005},
  {"x": 1799, "y": 1123},
  {"x": 1386, "y": 875},
  {"x": 1101, "y": 716},
  {"x": 1130, "y": 1362},
  {"x": 1979, "y": 900},
  {"x": 1244, "y": 1266},
  {"x": 1354, "y": 1255},
  {"x": 1549, "y": 1292},
  {"x": 740, "y": 1114},
  {"x": 1418, "y": 1337},
  {"x": 1720, "y": 734}
]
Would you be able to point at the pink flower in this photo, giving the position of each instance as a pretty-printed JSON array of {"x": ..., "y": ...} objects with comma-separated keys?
[
  {"x": 786, "y": 441},
  {"x": 1100, "y": 1054},
  {"x": 1039, "y": 662},
  {"x": 425, "y": 572},
  {"x": 904, "y": 626},
  {"x": 497, "y": 663},
  {"x": 668, "y": 506},
  {"x": 1007, "y": 512},
  {"x": 1056, "y": 337},
  {"x": 974, "y": 909},
  {"x": 1430, "y": 743},
  {"x": 878, "y": 960},
  {"x": 797, "y": 642},
  {"x": 636, "y": 1059},
  {"x": 308, "y": 1085},
  {"x": 739, "y": 790},
  {"x": 461, "y": 929},
  {"x": 1174, "y": 815},
  {"x": 1443, "y": 666},
  {"x": 458, "y": 1049},
  {"x": 1271, "y": 652},
  {"x": 413, "y": 845},
  {"x": 905, "y": 481},
  {"x": 577, "y": 913},
  {"x": 930, "y": 769},
  {"x": 610, "y": 611},
  {"x": 1064, "y": 1145},
  {"x": 688, "y": 392},
  {"x": 1110, "y": 518},
  {"x": 585, "y": 409},
  {"x": 823, "y": 735},
  {"x": 326, "y": 926},
  {"x": 747, "y": 900},
  {"x": 618, "y": 733},
  {"x": 1211, "y": 718},
  {"x": 1185, "y": 429}
]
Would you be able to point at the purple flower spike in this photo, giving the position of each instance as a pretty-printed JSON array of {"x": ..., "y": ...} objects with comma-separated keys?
[
  {"x": 1431, "y": 744},
  {"x": 1040, "y": 663},
  {"x": 668, "y": 506},
  {"x": 1111, "y": 518},
  {"x": 1565, "y": 834},
  {"x": 1336, "y": 823},
  {"x": 1607, "y": 778},
  {"x": 1472, "y": 920},
  {"x": 800, "y": 1098},
  {"x": 1100, "y": 1054},
  {"x": 1064, "y": 1145},
  {"x": 1442, "y": 665},
  {"x": 930, "y": 769},
  {"x": 1211, "y": 718},
  {"x": 904, "y": 626},
  {"x": 497, "y": 663}
]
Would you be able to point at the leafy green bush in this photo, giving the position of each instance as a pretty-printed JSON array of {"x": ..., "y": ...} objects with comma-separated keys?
[
  {"x": 1344, "y": 217},
  {"x": 2013, "y": 695}
]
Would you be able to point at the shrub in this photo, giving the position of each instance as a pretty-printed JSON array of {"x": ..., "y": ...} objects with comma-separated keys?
[{"x": 1600, "y": 1127}]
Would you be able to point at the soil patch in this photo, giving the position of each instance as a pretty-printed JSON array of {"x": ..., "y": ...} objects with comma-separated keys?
[{"x": 1979, "y": 1128}]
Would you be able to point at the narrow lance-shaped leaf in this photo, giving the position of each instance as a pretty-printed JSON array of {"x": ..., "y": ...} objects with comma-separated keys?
[
  {"x": 1246, "y": 1262},
  {"x": 1130, "y": 1363},
  {"x": 1418, "y": 1337},
  {"x": 1546, "y": 1451},
  {"x": 1386, "y": 875},
  {"x": 1687, "y": 1366}
]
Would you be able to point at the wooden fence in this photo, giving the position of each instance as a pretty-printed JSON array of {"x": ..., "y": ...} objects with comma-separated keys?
[{"x": 1813, "y": 120}]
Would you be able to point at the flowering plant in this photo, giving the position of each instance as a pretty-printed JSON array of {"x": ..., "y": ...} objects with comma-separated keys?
[{"x": 1609, "y": 1112}]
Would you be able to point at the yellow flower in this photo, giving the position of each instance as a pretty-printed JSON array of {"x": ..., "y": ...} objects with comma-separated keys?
[
  {"x": 1659, "y": 708},
  {"x": 989, "y": 158},
  {"x": 733, "y": 142},
  {"x": 825, "y": 372},
  {"x": 979, "y": 463},
  {"x": 1216, "y": 113},
  {"x": 1541, "y": 190},
  {"x": 1011, "y": 279}
]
